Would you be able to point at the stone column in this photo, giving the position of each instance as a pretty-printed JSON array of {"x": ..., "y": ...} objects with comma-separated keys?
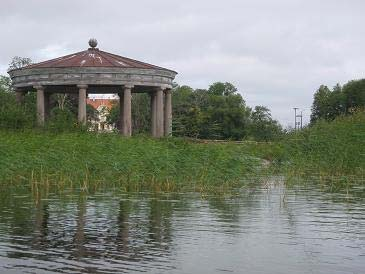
[
  {"x": 121, "y": 107},
  {"x": 153, "y": 113},
  {"x": 127, "y": 111},
  {"x": 168, "y": 113},
  {"x": 82, "y": 104},
  {"x": 47, "y": 106},
  {"x": 40, "y": 105},
  {"x": 159, "y": 113},
  {"x": 19, "y": 96}
]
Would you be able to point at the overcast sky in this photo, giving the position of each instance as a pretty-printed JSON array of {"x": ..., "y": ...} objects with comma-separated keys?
[{"x": 276, "y": 53}]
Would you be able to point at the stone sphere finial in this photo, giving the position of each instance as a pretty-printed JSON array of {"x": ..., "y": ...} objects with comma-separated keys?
[{"x": 93, "y": 42}]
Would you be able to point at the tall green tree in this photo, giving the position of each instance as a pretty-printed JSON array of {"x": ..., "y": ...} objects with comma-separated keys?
[
  {"x": 218, "y": 112},
  {"x": 328, "y": 104},
  {"x": 219, "y": 88},
  {"x": 337, "y": 102},
  {"x": 321, "y": 104},
  {"x": 263, "y": 127},
  {"x": 354, "y": 92}
]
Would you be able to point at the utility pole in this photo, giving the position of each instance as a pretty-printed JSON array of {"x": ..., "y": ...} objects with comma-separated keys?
[
  {"x": 299, "y": 123},
  {"x": 295, "y": 118}
]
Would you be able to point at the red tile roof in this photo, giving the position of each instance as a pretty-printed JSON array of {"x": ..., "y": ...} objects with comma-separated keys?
[
  {"x": 108, "y": 103},
  {"x": 93, "y": 57}
]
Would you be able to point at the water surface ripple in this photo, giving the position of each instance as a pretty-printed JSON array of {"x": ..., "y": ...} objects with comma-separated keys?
[{"x": 269, "y": 229}]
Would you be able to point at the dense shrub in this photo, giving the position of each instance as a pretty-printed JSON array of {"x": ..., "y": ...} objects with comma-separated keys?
[
  {"x": 15, "y": 116},
  {"x": 62, "y": 120}
]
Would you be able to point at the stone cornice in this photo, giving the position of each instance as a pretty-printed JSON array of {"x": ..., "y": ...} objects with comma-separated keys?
[{"x": 91, "y": 76}]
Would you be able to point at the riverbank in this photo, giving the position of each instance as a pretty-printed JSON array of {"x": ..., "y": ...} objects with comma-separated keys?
[
  {"x": 89, "y": 160},
  {"x": 330, "y": 153}
]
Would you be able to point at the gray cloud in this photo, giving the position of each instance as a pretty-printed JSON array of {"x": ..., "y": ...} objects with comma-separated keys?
[{"x": 276, "y": 52}]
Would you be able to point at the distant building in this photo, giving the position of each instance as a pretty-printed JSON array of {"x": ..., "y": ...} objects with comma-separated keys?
[{"x": 103, "y": 107}]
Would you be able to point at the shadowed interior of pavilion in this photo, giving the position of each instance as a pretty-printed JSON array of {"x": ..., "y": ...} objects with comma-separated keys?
[{"x": 96, "y": 71}]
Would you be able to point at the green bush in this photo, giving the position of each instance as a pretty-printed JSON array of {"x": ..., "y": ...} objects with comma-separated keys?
[
  {"x": 16, "y": 116},
  {"x": 62, "y": 120}
]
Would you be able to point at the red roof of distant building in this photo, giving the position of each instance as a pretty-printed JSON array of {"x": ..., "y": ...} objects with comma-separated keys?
[{"x": 108, "y": 103}]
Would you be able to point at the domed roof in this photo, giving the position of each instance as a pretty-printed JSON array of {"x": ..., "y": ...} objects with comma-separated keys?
[
  {"x": 92, "y": 67},
  {"x": 93, "y": 57}
]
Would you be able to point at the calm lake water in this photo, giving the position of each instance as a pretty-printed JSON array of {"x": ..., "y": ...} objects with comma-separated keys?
[{"x": 261, "y": 229}]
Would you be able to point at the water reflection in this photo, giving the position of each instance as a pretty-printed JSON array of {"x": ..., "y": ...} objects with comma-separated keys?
[
  {"x": 79, "y": 240},
  {"x": 261, "y": 229},
  {"x": 122, "y": 239}
]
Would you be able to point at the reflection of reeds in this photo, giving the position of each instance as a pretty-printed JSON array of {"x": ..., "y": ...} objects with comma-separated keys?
[{"x": 40, "y": 182}]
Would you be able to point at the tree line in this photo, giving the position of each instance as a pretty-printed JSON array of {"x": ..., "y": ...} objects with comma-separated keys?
[
  {"x": 218, "y": 112},
  {"x": 340, "y": 100}
]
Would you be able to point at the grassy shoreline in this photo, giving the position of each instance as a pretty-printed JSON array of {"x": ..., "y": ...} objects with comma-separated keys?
[
  {"x": 89, "y": 159},
  {"x": 333, "y": 153}
]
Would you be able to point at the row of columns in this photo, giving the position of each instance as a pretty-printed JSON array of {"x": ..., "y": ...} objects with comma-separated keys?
[
  {"x": 161, "y": 109},
  {"x": 161, "y": 112}
]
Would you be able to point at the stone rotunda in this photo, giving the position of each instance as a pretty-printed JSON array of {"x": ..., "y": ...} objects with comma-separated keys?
[{"x": 96, "y": 71}]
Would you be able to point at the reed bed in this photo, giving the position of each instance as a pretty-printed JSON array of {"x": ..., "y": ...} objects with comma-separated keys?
[
  {"x": 331, "y": 152},
  {"x": 328, "y": 153},
  {"x": 90, "y": 160}
]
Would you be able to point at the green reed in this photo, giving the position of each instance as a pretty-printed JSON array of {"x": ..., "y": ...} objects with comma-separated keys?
[
  {"x": 332, "y": 152},
  {"x": 89, "y": 160}
]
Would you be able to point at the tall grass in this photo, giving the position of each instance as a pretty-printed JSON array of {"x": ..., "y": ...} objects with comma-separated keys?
[
  {"x": 89, "y": 160},
  {"x": 328, "y": 150},
  {"x": 333, "y": 152}
]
